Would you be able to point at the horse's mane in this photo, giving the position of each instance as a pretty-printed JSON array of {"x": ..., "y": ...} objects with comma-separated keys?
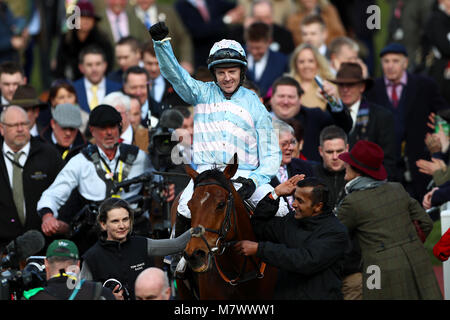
[{"x": 215, "y": 174}]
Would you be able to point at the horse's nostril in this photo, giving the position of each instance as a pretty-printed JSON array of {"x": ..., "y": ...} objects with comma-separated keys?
[{"x": 200, "y": 254}]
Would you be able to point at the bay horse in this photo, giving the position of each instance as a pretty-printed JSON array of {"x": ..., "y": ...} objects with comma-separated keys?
[{"x": 220, "y": 219}]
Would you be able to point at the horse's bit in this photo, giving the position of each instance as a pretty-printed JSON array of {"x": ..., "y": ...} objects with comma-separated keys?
[{"x": 199, "y": 231}]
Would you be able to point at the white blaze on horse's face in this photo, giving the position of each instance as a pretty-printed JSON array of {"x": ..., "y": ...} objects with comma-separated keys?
[{"x": 202, "y": 201}]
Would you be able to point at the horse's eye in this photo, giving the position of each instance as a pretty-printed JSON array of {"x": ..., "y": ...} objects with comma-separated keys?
[{"x": 221, "y": 205}]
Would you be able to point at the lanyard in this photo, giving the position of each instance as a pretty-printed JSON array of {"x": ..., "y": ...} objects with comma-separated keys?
[
  {"x": 65, "y": 153},
  {"x": 110, "y": 175}
]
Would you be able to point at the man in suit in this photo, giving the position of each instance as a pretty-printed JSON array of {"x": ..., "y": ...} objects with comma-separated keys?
[
  {"x": 314, "y": 32},
  {"x": 135, "y": 80},
  {"x": 263, "y": 11},
  {"x": 370, "y": 121},
  {"x": 162, "y": 94},
  {"x": 93, "y": 86},
  {"x": 264, "y": 64},
  {"x": 286, "y": 105},
  {"x": 128, "y": 54},
  {"x": 207, "y": 21},
  {"x": 149, "y": 12},
  {"x": 119, "y": 20},
  {"x": 11, "y": 76},
  {"x": 411, "y": 98},
  {"x": 27, "y": 167}
]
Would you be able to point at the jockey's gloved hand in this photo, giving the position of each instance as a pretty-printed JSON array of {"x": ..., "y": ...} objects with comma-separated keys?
[
  {"x": 159, "y": 31},
  {"x": 247, "y": 189}
]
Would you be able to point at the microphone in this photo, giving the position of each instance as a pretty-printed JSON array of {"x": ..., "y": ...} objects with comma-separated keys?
[{"x": 28, "y": 244}]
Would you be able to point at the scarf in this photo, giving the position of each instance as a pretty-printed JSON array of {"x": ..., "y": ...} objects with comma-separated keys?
[{"x": 362, "y": 183}]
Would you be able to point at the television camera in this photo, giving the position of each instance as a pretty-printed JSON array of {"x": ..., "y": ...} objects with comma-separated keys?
[{"x": 14, "y": 280}]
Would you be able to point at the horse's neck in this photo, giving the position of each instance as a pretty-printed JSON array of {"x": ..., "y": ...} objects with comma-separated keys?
[{"x": 245, "y": 229}]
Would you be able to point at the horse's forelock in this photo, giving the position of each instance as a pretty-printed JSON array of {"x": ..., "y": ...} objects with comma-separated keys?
[{"x": 215, "y": 174}]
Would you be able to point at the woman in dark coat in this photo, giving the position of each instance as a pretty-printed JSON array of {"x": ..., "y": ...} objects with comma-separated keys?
[
  {"x": 381, "y": 216},
  {"x": 73, "y": 41}
]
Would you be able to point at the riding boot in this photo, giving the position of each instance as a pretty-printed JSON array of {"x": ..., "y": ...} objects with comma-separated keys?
[{"x": 178, "y": 265}]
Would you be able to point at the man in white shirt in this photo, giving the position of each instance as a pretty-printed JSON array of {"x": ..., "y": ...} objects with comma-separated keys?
[{"x": 95, "y": 169}]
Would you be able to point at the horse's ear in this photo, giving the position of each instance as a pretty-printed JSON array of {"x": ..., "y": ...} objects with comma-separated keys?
[
  {"x": 232, "y": 167},
  {"x": 190, "y": 171}
]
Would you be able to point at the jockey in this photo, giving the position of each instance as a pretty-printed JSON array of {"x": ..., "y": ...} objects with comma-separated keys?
[{"x": 228, "y": 119}]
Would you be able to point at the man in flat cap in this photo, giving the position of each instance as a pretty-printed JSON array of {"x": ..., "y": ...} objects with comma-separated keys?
[
  {"x": 411, "y": 98},
  {"x": 63, "y": 132},
  {"x": 95, "y": 170}
]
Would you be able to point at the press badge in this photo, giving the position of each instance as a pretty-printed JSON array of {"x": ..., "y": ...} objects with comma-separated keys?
[{"x": 38, "y": 175}]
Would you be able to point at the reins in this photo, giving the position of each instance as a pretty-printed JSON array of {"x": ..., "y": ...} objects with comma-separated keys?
[{"x": 221, "y": 245}]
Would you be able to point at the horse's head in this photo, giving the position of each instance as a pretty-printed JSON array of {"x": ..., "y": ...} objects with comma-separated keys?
[{"x": 213, "y": 214}]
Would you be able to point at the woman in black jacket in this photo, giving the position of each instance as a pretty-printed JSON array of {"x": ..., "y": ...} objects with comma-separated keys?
[
  {"x": 119, "y": 254},
  {"x": 73, "y": 41}
]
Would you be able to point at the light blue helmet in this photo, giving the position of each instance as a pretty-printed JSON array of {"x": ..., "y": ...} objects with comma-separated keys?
[{"x": 226, "y": 52}]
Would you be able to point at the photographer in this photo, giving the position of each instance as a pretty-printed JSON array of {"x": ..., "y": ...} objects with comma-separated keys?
[
  {"x": 61, "y": 263},
  {"x": 95, "y": 170},
  {"x": 119, "y": 254}
]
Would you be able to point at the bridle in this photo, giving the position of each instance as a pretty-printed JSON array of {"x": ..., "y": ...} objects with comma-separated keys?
[
  {"x": 221, "y": 245},
  {"x": 200, "y": 230}
]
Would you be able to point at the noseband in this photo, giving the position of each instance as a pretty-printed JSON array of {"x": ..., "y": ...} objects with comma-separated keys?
[{"x": 199, "y": 231}]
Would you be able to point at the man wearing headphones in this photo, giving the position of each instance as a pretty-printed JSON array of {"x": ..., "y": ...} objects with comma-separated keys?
[
  {"x": 228, "y": 119},
  {"x": 94, "y": 170}
]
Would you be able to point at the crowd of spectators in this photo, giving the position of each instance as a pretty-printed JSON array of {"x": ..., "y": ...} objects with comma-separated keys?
[{"x": 312, "y": 64}]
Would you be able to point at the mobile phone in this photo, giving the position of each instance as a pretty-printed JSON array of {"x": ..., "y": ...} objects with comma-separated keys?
[
  {"x": 319, "y": 82},
  {"x": 445, "y": 125}
]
